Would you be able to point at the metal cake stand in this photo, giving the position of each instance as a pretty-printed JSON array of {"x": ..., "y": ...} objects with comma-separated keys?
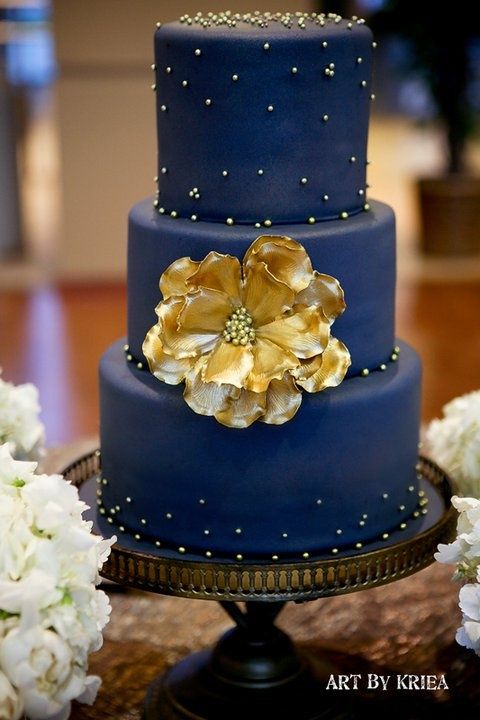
[{"x": 255, "y": 672}]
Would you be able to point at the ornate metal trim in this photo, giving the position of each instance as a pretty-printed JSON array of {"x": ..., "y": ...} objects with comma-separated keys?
[{"x": 281, "y": 581}]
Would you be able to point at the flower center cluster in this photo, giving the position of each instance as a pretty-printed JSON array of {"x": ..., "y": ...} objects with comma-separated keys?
[{"x": 239, "y": 328}]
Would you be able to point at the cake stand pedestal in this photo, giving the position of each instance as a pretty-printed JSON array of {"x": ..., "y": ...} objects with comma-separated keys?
[{"x": 254, "y": 672}]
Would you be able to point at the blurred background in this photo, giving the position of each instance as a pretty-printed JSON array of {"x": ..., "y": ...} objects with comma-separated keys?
[{"x": 77, "y": 149}]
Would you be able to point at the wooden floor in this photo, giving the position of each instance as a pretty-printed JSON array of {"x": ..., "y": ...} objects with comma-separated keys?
[{"x": 54, "y": 338}]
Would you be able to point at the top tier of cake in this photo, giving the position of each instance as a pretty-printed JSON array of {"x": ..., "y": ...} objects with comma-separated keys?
[{"x": 262, "y": 118}]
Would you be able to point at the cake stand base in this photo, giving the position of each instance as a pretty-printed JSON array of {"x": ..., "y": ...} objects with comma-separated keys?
[{"x": 253, "y": 672}]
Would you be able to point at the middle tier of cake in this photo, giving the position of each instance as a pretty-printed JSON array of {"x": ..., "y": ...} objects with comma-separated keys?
[{"x": 359, "y": 252}]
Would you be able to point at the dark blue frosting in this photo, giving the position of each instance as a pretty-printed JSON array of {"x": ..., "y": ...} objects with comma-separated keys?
[
  {"x": 353, "y": 448},
  {"x": 342, "y": 471},
  {"x": 291, "y": 102},
  {"x": 359, "y": 252}
]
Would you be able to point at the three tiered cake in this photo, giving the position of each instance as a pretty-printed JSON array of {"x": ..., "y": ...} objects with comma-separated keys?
[{"x": 261, "y": 406}]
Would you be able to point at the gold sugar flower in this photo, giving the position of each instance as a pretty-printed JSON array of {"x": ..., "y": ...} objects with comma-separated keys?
[{"x": 246, "y": 338}]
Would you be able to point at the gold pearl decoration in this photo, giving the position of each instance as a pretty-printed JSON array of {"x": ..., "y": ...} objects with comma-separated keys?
[{"x": 239, "y": 330}]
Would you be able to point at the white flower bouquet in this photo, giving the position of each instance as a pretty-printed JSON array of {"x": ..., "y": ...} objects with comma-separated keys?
[
  {"x": 20, "y": 426},
  {"x": 51, "y": 613},
  {"x": 454, "y": 443}
]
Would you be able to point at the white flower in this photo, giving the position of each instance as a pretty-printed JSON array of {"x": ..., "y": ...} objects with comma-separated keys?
[
  {"x": 20, "y": 425},
  {"x": 468, "y": 635},
  {"x": 43, "y": 665},
  {"x": 11, "y": 705},
  {"x": 51, "y": 613},
  {"x": 81, "y": 618},
  {"x": 454, "y": 442},
  {"x": 451, "y": 553}
]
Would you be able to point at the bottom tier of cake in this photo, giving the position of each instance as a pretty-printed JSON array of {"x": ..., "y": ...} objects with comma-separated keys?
[{"x": 339, "y": 474}]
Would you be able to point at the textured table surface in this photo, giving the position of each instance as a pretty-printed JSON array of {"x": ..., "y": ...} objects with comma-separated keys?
[{"x": 405, "y": 627}]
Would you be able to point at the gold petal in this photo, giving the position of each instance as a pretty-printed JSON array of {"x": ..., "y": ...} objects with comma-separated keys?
[
  {"x": 283, "y": 400},
  {"x": 204, "y": 311},
  {"x": 207, "y": 398},
  {"x": 174, "y": 279},
  {"x": 335, "y": 363},
  {"x": 165, "y": 367},
  {"x": 307, "y": 368},
  {"x": 228, "y": 364},
  {"x": 324, "y": 291},
  {"x": 304, "y": 333},
  {"x": 219, "y": 272},
  {"x": 178, "y": 341},
  {"x": 264, "y": 296},
  {"x": 269, "y": 362},
  {"x": 243, "y": 412},
  {"x": 285, "y": 258}
]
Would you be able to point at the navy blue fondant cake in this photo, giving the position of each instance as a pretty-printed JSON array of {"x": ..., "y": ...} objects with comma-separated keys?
[{"x": 261, "y": 406}]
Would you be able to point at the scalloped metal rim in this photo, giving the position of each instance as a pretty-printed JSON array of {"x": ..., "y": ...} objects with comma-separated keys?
[{"x": 281, "y": 581}]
